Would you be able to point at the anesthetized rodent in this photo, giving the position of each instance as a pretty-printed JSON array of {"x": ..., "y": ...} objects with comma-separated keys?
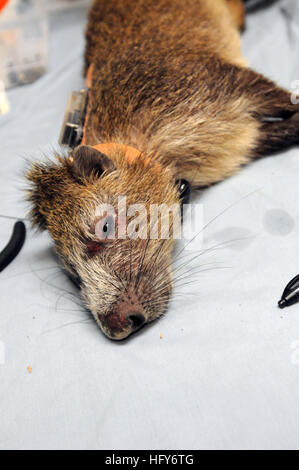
[{"x": 171, "y": 100}]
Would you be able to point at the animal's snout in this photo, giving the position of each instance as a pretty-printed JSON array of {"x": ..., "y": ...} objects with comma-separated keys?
[
  {"x": 122, "y": 322},
  {"x": 137, "y": 319},
  {"x": 137, "y": 304}
]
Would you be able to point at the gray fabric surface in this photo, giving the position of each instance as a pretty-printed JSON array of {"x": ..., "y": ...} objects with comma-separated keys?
[{"x": 226, "y": 373}]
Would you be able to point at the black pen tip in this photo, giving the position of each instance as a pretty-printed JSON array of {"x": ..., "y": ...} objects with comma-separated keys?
[{"x": 282, "y": 303}]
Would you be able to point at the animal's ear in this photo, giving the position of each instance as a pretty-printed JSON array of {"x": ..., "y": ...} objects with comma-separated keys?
[
  {"x": 47, "y": 187},
  {"x": 88, "y": 161}
]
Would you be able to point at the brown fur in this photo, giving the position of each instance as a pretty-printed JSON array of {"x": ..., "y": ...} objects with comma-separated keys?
[
  {"x": 237, "y": 10},
  {"x": 168, "y": 79}
]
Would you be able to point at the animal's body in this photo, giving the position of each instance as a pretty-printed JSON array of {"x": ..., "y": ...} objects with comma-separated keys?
[{"x": 167, "y": 78}]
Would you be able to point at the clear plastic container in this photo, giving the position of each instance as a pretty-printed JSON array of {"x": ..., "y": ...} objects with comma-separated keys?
[
  {"x": 23, "y": 42},
  {"x": 24, "y": 38}
]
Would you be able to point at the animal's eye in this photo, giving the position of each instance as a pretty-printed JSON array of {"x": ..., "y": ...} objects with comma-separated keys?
[
  {"x": 104, "y": 232},
  {"x": 105, "y": 228},
  {"x": 184, "y": 190}
]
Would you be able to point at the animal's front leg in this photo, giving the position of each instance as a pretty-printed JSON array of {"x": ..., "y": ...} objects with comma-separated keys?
[
  {"x": 259, "y": 119},
  {"x": 277, "y": 111},
  {"x": 279, "y": 135}
]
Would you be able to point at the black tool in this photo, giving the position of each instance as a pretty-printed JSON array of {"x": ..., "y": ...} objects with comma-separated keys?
[
  {"x": 14, "y": 246},
  {"x": 290, "y": 295},
  {"x": 74, "y": 118}
]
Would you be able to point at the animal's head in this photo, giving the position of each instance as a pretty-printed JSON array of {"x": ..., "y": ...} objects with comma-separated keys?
[{"x": 123, "y": 268}]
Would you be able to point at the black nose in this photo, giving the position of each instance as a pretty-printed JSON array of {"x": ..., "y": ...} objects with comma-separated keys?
[{"x": 137, "y": 320}]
